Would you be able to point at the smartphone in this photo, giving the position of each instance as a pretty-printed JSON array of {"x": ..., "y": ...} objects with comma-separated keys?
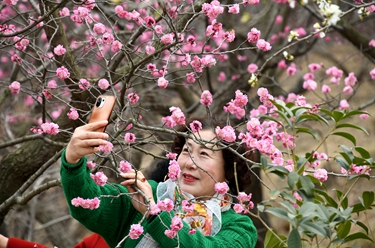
[{"x": 102, "y": 110}]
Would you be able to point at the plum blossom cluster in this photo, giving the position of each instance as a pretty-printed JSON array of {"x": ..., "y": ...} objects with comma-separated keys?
[
  {"x": 236, "y": 106},
  {"x": 357, "y": 169},
  {"x": 176, "y": 225},
  {"x": 177, "y": 118},
  {"x": 244, "y": 204},
  {"x": 221, "y": 188},
  {"x": 48, "y": 128},
  {"x": 135, "y": 231},
  {"x": 125, "y": 166},
  {"x": 99, "y": 178},
  {"x": 86, "y": 203},
  {"x": 107, "y": 148},
  {"x": 174, "y": 170},
  {"x": 73, "y": 114},
  {"x": 15, "y": 87}
]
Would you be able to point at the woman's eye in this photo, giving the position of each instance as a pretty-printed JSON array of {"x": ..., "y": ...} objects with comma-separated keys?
[{"x": 204, "y": 153}]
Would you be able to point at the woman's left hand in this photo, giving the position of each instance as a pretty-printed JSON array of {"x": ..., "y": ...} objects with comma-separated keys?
[{"x": 136, "y": 178}]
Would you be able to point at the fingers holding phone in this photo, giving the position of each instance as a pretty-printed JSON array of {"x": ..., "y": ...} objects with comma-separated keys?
[{"x": 85, "y": 140}]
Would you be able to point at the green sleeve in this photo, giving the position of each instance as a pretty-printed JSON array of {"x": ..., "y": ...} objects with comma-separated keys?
[
  {"x": 115, "y": 214},
  {"x": 236, "y": 231}
]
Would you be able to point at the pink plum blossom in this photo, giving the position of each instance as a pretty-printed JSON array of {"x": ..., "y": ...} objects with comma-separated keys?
[
  {"x": 135, "y": 231},
  {"x": 99, "y": 28},
  {"x": 314, "y": 67},
  {"x": 150, "y": 49},
  {"x": 129, "y": 138},
  {"x": 263, "y": 45},
  {"x": 50, "y": 128},
  {"x": 107, "y": 148},
  {"x": 99, "y": 178},
  {"x": 116, "y": 46},
  {"x": 226, "y": 133},
  {"x": 251, "y": 68},
  {"x": 125, "y": 166},
  {"x": 234, "y": 9},
  {"x": 310, "y": 85},
  {"x": 326, "y": 89},
  {"x": 162, "y": 83},
  {"x": 238, "y": 208},
  {"x": 51, "y": 85},
  {"x": 59, "y": 50},
  {"x": 206, "y": 98},
  {"x": 86, "y": 203},
  {"x": 253, "y": 36},
  {"x": 195, "y": 126},
  {"x": 174, "y": 170},
  {"x": 167, "y": 39},
  {"x": 107, "y": 38},
  {"x": 133, "y": 98},
  {"x": 221, "y": 188},
  {"x": 350, "y": 80},
  {"x": 154, "y": 209},
  {"x": 344, "y": 104},
  {"x": 170, "y": 233},
  {"x": 62, "y": 72},
  {"x": 83, "y": 84},
  {"x": 64, "y": 12},
  {"x": 73, "y": 114},
  {"x": 103, "y": 84},
  {"x": 176, "y": 223},
  {"x": 172, "y": 155},
  {"x": 15, "y": 87},
  {"x": 372, "y": 74},
  {"x": 364, "y": 116},
  {"x": 321, "y": 175},
  {"x": 348, "y": 90},
  {"x": 166, "y": 205},
  {"x": 91, "y": 165}
]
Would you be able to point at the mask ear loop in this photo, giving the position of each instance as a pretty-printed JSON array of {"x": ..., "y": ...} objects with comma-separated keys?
[{"x": 235, "y": 176}]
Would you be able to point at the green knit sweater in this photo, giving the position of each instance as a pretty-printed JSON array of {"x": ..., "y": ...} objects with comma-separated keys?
[{"x": 116, "y": 213}]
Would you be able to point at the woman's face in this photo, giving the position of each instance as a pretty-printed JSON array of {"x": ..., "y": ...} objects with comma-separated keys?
[{"x": 197, "y": 181}]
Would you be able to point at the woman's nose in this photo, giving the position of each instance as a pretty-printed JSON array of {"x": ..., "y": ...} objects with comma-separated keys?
[{"x": 190, "y": 163}]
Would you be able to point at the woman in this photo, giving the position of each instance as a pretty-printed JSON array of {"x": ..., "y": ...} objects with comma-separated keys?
[{"x": 202, "y": 166}]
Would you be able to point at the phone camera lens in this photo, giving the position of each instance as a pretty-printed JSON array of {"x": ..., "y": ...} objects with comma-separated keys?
[{"x": 99, "y": 102}]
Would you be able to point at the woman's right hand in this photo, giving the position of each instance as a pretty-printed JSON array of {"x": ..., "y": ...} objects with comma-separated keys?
[{"x": 85, "y": 141}]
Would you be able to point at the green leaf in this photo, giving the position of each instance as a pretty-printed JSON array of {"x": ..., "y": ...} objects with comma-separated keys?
[
  {"x": 363, "y": 226},
  {"x": 294, "y": 239},
  {"x": 348, "y": 125},
  {"x": 307, "y": 185},
  {"x": 364, "y": 153},
  {"x": 314, "y": 117},
  {"x": 354, "y": 112},
  {"x": 274, "y": 193},
  {"x": 264, "y": 162},
  {"x": 308, "y": 131},
  {"x": 344, "y": 201},
  {"x": 368, "y": 199},
  {"x": 358, "y": 235},
  {"x": 278, "y": 212},
  {"x": 346, "y": 136},
  {"x": 313, "y": 228},
  {"x": 331, "y": 202},
  {"x": 285, "y": 117},
  {"x": 293, "y": 178},
  {"x": 343, "y": 163},
  {"x": 343, "y": 229},
  {"x": 271, "y": 241},
  {"x": 338, "y": 115}
]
